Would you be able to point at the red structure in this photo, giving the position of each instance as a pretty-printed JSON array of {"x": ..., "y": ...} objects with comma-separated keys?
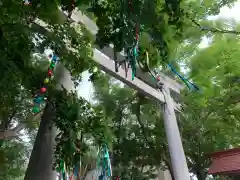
[{"x": 226, "y": 163}]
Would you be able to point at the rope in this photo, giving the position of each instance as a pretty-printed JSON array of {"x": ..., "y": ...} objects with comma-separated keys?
[
  {"x": 189, "y": 84},
  {"x": 181, "y": 77}
]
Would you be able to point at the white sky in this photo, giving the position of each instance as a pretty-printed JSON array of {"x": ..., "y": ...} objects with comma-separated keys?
[
  {"x": 85, "y": 89},
  {"x": 231, "y": 13}
]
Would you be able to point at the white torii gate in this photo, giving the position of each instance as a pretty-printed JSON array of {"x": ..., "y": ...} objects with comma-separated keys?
[{"x": 178, "y": 160}]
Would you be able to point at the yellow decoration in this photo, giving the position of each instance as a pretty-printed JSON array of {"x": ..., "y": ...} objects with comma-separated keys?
[
  {"x": 46, "y": 80},
  {"x": 95, "y": 69},
  {"x": 147, "y": 58}
]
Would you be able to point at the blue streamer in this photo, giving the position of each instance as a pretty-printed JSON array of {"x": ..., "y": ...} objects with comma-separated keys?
[
  {"x": 108, "y": 161},
  {"x": 101, "y": 177},
  {"x": 76, "y": 170},
  {"x": 105, "y": 163},
  {"x": 38, "y": 99},
  {"x": 54, "y": 58},
  {"x": 187, "y": 82}
]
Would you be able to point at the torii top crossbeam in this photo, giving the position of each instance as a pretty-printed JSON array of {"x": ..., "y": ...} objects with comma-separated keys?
[
  {"x": 77, "y": 16},
  {"x": 105, "y": 58}
]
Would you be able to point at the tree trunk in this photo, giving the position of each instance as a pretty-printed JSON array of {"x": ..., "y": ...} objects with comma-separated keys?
[
  {"x": 41, "y": 160},
  {"x": 13, "y": 133},
  {"x": 40, "y": 166}
]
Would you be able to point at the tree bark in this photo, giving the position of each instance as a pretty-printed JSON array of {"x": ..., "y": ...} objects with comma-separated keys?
[
  {"x": 40, "y": 166},
  {"x": 12, "y": 133},
  {"x": 41, "y": 160},
  {"x": 9, "y": 134}
]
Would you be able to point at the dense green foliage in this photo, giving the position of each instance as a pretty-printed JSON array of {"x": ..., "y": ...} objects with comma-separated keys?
[
  {"x": 209, "y": 121},
  {"x": 22, "y": 43},
  {"x": 79, "y": 123},
  {"x": 136, "y": 151},
  {"x": 13, "y": 156},
  {"x": 131, "y": 124}
]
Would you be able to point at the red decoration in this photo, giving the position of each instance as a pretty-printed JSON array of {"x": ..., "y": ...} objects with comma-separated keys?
[
  {"x": 137, "y": 33},
  {"x": 50, "y": 72},
  {"x": 43, "y": 90}
]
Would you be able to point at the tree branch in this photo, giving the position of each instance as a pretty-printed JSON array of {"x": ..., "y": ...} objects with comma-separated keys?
[
  {"x": 214, "y": 30},
  {"x": 7, "y": 121},
  {"x": 210, "y": 29},
  {"x": 9, "y": 134},
  {"x": 12, "y": 133},
  {"x": 141, "y": 124},
  {"x": 85, "y": 172}
]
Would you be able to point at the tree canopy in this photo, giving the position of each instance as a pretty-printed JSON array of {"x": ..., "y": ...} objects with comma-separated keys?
[{"x": 128, "y": 122}]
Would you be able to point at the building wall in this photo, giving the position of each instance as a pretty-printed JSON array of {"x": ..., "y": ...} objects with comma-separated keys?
[{"x": 225, "y": 161}]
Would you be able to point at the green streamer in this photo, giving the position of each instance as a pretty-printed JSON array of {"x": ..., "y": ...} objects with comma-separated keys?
[
  {"x": 133, "y": 68},
  {"x": 62, "y": 170},
  {"x": 133, "y": 58},
  {"x": 103, "y": 162}
]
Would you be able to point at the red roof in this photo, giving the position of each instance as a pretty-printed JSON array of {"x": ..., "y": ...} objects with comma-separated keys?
[{"x": 225, "y": 162}]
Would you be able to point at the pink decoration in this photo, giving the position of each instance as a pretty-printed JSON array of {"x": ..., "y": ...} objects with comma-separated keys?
[{"x": 43, "y": 90}]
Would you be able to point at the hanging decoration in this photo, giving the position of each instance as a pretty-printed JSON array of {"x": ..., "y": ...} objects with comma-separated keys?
[
  {"x": 61, "y": 170},
  {"x": 122, "y": 42},
  {"x": 40, "y": 96},
  {"x": 77, "y": 168},
  {"x": 132, "y": 54},
  {"x": 75, "y": 172},
  {"x": 156, "y": 77},
  {"x": 77, "y": 160},
  {"x": 189, "y": 84},
  {"x": 104, "y": 163},
  {"x": 133, "y": 51}
]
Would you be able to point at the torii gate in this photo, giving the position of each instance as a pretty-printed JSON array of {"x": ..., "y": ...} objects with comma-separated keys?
[{"x": 178, "y": 159}]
